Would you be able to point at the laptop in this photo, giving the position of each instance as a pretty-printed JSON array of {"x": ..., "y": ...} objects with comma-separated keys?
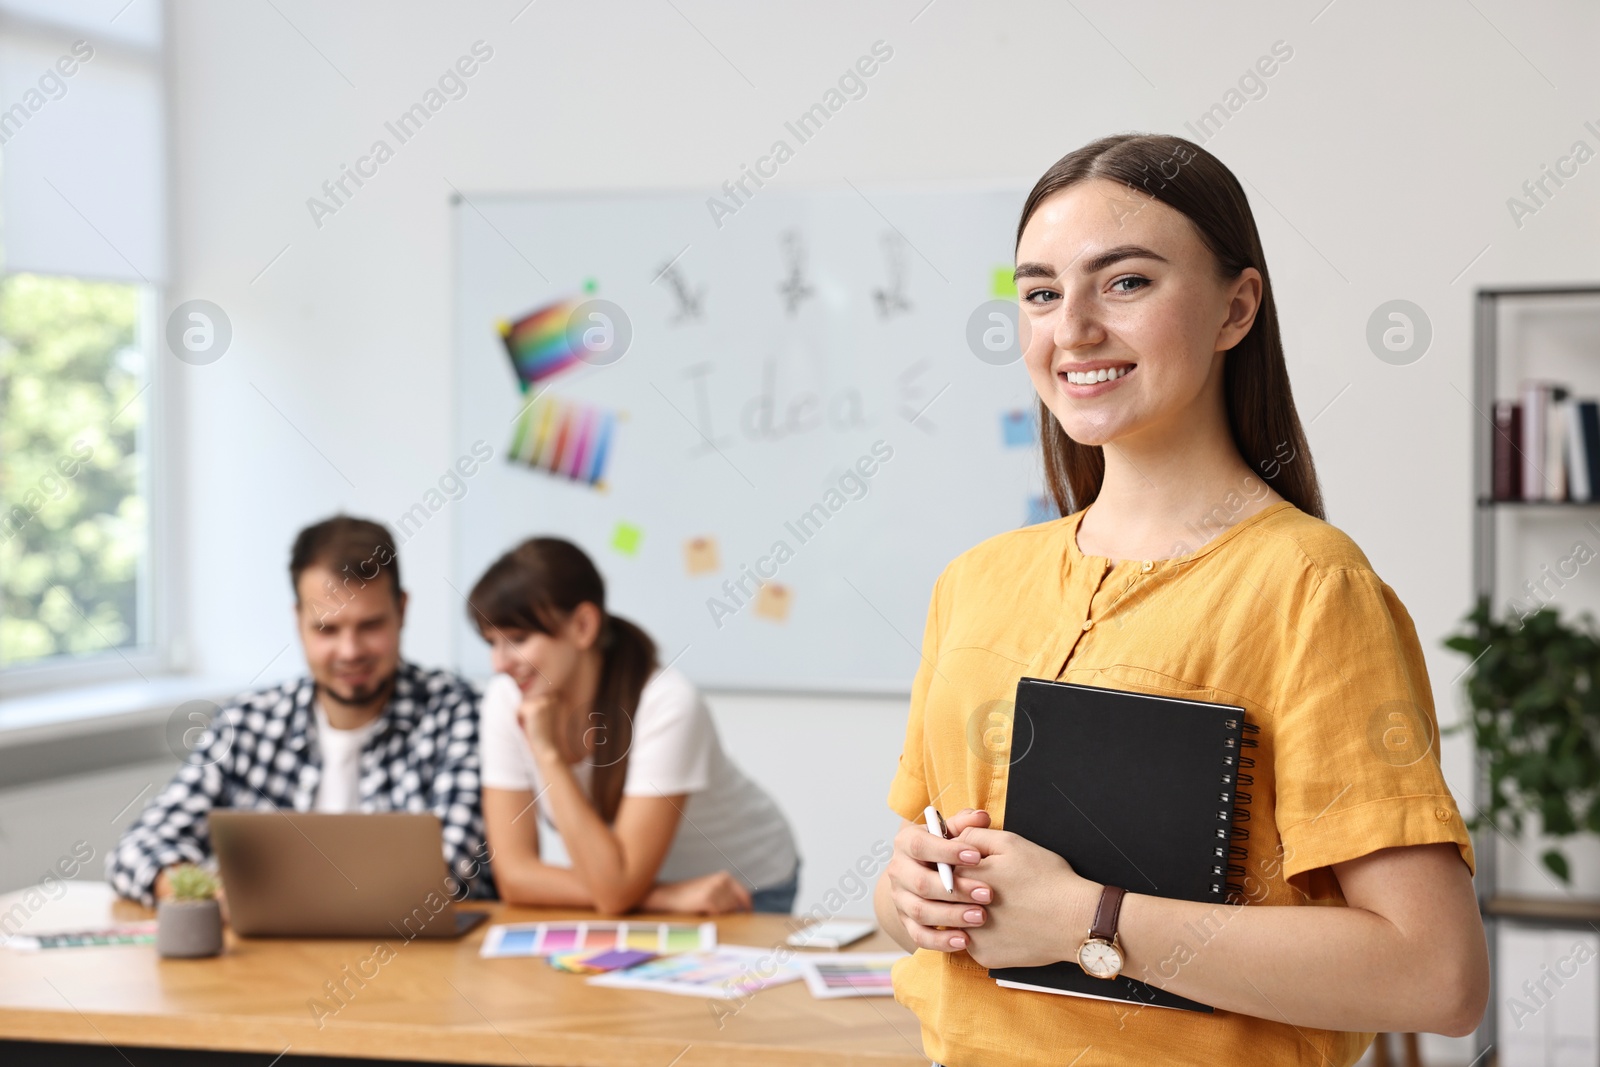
[{"x": 309, "y": 874}]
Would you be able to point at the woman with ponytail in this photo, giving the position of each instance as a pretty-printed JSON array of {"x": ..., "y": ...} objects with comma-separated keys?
[{"x": 585, "y": 732}]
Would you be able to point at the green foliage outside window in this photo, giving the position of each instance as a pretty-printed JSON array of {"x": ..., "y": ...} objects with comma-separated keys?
[{"x": 73, "y": 523}]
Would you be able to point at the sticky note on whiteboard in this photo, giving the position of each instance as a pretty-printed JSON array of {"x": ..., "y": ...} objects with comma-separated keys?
[
  {"x": 773, "y": 601},
  {"x": 626, "y": 537},
  {"x": 1003, "y": 283},
  {"x": 1016, "y": 428},
  {"x": 700, "y": 555}
]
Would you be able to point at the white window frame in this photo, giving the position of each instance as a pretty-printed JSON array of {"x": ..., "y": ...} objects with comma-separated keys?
[{"x": 159, "y": 591}]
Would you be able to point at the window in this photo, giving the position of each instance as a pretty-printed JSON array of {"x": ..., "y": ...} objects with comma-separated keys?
[
  {"x": 74, "y": 534},
  {"x": 82, "y": 270}
]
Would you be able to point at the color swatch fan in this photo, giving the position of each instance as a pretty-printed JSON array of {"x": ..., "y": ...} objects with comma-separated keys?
[
  {"x": 538, "y": 343},
  {"x": 565, "y": 438}
]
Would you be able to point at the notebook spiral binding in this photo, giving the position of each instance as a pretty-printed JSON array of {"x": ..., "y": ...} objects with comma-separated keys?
[{"x": 1234, "y": 764}]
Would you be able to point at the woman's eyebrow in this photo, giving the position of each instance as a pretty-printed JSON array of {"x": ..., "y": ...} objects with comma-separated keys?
[{"x": 1090, "y": 266}]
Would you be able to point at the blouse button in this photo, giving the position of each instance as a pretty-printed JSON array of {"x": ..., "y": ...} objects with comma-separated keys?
[
  {"x": 1149, "y": 566},
  {"x": 1441, "y": 814},
  {"x": 1088, "y": 624}
]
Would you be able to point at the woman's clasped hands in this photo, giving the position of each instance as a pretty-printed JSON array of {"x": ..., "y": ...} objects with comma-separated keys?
[{"x": 1015, "y": 904}]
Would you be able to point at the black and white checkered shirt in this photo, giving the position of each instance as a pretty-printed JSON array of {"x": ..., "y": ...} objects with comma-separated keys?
[{"x": 261, "y": 752}]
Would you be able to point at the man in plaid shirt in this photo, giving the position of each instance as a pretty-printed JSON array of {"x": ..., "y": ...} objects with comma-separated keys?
[{"x": 365, "y": 732}]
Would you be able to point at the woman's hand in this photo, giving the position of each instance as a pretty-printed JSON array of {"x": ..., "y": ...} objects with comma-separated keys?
[
  {"x": 716, "y": 893},
  {"x": 539, "y": 715},
  {"x": 919, "y": 897},
  {"x": 1042, "y": 908}
]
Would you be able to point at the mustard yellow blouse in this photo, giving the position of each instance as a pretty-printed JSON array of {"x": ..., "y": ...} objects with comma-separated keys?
[{"x": 1280, "y": 614}]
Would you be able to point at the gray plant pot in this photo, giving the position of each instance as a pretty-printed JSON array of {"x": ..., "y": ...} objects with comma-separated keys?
[{"x": 188, "y": 929}]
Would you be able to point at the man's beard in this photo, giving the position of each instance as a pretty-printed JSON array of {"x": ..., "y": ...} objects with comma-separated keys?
[{"x": 365, "y": 695}]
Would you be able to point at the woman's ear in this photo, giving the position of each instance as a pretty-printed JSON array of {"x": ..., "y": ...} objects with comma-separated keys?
[
  {"x": 583, "y": 625},
  {"x": 1244, "y": 300}
]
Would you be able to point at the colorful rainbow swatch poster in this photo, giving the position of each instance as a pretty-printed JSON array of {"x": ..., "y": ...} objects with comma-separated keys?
[
  {"x": 539, "y": 345},
  {"x": 564, "y": 437}
]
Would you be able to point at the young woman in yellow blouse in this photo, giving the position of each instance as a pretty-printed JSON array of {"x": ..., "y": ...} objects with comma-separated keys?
[{"x": 1192, "y": 560}]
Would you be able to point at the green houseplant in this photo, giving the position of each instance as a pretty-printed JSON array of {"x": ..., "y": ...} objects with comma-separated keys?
[
  {"x": 189, "y": 924},
  {"x": 1535, "y": 718}
]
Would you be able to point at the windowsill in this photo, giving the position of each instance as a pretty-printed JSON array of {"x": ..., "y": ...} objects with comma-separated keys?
[{"x": 94, "y": 709}]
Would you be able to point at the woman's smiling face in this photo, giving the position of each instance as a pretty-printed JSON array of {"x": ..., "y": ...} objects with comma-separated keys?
[{"x": 1124, "y": 311}]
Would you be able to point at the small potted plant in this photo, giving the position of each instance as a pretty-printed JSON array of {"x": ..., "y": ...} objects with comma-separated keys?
[
  {"x": 1534, "y": 690},
  {"x": 189, "y": 925}
]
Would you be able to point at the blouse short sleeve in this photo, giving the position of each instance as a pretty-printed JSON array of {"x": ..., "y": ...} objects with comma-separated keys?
[
  {"x": 506, "y": 761},
  {"x": 674, "y": 739},
  {"x": 1355, "y": 745},
  {"x": 908, "y": 792}
]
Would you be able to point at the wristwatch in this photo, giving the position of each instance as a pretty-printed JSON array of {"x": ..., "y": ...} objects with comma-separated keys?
[{"x": 1100, "y": 955}]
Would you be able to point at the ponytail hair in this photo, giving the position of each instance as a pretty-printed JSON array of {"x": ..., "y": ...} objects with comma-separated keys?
[{"x": 535, "y": 587}]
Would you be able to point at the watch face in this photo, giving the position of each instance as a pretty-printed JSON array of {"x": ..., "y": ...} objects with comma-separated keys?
[{"x": 1100, "y": 959}]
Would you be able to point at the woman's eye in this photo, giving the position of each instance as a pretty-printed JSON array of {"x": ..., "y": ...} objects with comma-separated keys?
[
  {"x": 1133, "y": 281},
  {"x": 1039, "y": 292}
]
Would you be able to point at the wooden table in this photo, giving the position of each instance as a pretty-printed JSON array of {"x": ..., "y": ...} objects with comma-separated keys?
[{"x": 429, "y": 1001}]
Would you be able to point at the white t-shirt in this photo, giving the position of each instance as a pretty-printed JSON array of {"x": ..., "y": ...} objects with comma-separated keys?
[
  {"x": 339, "y": 788},
  {"x": 729, "y": 823}
]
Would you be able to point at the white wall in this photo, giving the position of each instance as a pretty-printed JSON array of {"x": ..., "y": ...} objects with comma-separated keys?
[
  {"x": 45, "y": 821},
  {"x": 1379, "y": 163}
]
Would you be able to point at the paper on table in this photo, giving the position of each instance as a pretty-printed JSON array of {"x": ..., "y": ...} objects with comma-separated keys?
[
  {"x": 727, "y": 972},
  {"x": 849, "y": 974},
  {"x": 558, "y": 938},
  {"x": 143, "y": 933},
  {"x": 832, "y": 933},
  {"x": 614, "y": 959}
]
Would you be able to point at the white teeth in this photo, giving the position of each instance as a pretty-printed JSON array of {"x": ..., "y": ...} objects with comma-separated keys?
[{"x": 1090, "y": 377}]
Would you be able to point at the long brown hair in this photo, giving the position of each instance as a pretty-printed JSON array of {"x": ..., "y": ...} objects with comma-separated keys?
[
  {"x": 1261, "y": 412},
  {"x": 534, "y": 588}
]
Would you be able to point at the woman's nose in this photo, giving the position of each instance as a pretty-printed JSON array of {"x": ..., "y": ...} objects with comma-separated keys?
[{"x": 1076, "y": 324}]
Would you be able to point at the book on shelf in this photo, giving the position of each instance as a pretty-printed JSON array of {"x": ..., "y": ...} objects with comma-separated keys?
[
  {"x": 1555, "y": 444},
  {"x": 1546, "y": 445},
  {"x": 1507, "y": 446},
  {"x": 1579, "y": 486},
  {"x": 1589, "y": 420},
  {"x": 1535, "y": 399}
]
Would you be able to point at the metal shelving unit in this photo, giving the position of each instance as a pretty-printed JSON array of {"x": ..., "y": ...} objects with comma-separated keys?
[{"x": 1486, "y": 361}]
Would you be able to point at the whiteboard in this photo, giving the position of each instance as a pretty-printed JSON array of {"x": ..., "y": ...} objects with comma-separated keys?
[{"x": 804, "y": 435}]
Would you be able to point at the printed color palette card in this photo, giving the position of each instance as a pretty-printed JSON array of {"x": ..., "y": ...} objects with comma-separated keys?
[
  {"x": 728, "y": 972},
  {"x": 849, "y": 974},
  {"x": 549, "y": 939},
  {"x": 123, "y": 934}
]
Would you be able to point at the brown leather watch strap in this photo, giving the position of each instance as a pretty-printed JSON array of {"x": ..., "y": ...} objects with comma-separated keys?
[{"x": 1105, "y": 916}]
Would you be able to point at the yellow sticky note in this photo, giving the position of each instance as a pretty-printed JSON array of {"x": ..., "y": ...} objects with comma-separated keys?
[
  {"x": 773, "y": 601},
  {"x": 700, "y": 555},
  {"x": 626, "y": 537},
  {"x": 1003, "y": 283}
]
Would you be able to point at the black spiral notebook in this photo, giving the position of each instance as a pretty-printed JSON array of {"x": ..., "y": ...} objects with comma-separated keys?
[{"x": 1138, "y": 791}]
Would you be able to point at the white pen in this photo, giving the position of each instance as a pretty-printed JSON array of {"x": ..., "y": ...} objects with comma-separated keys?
[{"x": 937, "y": 828}]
